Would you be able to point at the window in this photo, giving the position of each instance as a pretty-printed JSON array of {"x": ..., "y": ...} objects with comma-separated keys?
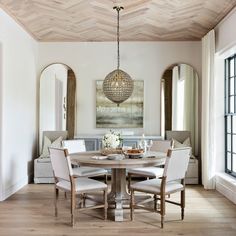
[{"x": 230, "y": 115}]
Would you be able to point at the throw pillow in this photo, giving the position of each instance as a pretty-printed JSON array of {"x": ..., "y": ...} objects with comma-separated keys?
[
  {"x": 48, "y": 143},
  {"x": 178, "y": 144},
  {"x": 186, "y": 143}
]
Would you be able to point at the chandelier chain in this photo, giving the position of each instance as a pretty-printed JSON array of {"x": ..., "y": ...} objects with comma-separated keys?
[
  {"x": 118, "y": 38},
  {"x": 118, "y": 9}
]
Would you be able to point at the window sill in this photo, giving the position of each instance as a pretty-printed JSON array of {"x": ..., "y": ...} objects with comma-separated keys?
[{"x": 226, "y": 185}]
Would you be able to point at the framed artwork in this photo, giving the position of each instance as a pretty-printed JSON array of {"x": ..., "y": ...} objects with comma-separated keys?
[{"x": 128, "y": 115}]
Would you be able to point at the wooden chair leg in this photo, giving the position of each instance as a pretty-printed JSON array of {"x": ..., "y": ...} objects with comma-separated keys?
[
  {"x": 155, "y": 202},
  {"x": 105, "y": 204},
  {"x": 105, "y": 178},
  {"x": 182, "y": 196},
  {"x": 163, "y": 209},
  {"x": 56, "y": 200},
  {"x": 80, "y": 202},
  {"x": 83, "y": 199},
  {"x": 129, "y": 182},
  {"x": 72, "y": 208},
  {"x": 132, "y": 205}
]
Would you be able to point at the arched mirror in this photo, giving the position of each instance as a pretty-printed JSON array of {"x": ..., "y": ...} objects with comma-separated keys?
[
  {"x": 57, "y": 99},
  {"x": 179, "y": 101}
]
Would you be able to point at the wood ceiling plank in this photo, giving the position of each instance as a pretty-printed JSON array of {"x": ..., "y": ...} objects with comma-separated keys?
[{"x": 95, "y": 20}]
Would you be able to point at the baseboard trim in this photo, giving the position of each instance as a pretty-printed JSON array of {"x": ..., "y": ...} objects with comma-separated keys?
[
  {"x": 45, "y": 180},
  {"x": 14, "y": 188},
  {"x": 226, "y": 185}
]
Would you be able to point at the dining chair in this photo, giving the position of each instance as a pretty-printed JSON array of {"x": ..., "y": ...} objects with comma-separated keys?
[
  {"x": 150, "y": 172},
  {"x": 172, "y": 181},
  {"x": 78, "y": 145},
  {"x": 66, "y": 181}
]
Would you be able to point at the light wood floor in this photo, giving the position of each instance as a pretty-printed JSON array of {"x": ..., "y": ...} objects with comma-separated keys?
[{"x": 31, "y": 212}]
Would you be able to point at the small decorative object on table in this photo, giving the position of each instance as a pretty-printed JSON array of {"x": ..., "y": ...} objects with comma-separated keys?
[
  {"x": 111, "y": 143},
  {"x": 149, "y": 145},
  {"x": 116, "y": 157},
  {"x": 143, "y": 144},
  {"x": 134, "y": 153}
]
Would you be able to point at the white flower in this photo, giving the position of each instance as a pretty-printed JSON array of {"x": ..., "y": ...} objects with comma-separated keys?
[{"x": 111, "y": 140}]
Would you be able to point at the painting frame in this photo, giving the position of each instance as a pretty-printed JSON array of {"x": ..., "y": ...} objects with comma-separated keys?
[{"x": 128, "y": 114}]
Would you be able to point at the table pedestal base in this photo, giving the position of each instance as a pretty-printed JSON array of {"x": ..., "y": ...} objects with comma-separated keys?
[{"x": 118, "y": 195}]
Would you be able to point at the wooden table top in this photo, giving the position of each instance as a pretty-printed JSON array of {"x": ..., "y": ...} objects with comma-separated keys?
[{"x": 85, "y": 159}]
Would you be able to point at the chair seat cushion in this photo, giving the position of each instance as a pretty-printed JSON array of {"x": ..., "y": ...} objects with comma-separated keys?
[
  {"x": 154, "y": 186},
  {"x": 147, "y": 171},
  {"x": 85, "y": 171},
  {"x": 82, "y": 185}
]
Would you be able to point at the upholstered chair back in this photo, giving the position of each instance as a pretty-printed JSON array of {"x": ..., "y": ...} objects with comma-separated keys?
[
  {"x": 176, "y": 163},
  {"x": 74, "y": 146},
  {"x": 161, "y": 145},
  {"x": 61, "y": 164}
]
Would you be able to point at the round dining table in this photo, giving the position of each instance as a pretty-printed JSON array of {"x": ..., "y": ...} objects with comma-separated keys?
[{"x": 118, "y": 194}]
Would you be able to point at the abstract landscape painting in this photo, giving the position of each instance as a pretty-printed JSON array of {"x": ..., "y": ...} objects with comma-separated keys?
[{"x": 128, "y": 115}]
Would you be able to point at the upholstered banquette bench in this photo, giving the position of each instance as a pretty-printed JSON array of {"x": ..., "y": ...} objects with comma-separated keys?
[{"x": 42, "y": 165}]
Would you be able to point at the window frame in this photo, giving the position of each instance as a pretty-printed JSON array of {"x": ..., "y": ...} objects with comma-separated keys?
[{"x": 230, "y": 116}]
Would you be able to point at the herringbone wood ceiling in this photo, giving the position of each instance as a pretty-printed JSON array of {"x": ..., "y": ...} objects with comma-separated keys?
[{"x": 95, "y": 20}]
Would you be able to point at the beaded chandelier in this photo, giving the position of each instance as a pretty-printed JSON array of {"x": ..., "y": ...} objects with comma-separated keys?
[{"x": 118, "y": 85}]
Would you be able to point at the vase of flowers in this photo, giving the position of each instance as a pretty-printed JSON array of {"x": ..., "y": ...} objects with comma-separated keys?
[{"x": 111, "y": 143}]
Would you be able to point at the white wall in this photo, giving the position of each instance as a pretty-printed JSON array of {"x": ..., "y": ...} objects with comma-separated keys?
[
  {"x": 225, "y": 32},
  {"x": 18, "y": 105},
  {"x": 142, "y": 60},
  {"x": 219, "y": 115},
  {"x": 1, "y": 125}
]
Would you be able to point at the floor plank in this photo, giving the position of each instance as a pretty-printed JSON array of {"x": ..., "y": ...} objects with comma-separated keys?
[{"x": 30, "y": 212}]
